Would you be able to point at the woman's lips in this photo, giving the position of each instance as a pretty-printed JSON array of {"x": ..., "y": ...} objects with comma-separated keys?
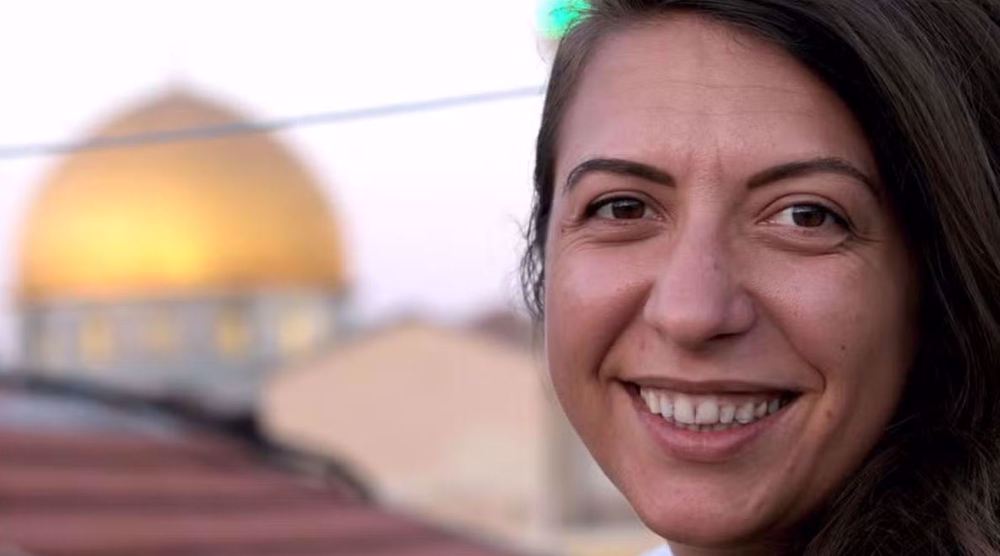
[{"x": 707, "y": 427}]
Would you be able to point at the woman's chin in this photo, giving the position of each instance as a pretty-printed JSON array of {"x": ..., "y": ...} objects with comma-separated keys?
[{"x": 708, "y": 524}]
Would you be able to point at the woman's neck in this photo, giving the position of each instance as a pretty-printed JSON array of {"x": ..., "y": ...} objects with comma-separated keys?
[{"x": 764, "y": 548}]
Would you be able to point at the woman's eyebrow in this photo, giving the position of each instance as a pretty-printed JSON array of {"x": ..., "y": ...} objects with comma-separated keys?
[
  {"x": 788, "y": 170},
  {"x": 617, "y": 166},
  {"x": 800, "y": 168}
]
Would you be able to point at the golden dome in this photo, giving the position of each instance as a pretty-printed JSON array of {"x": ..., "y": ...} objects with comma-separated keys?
[{"x": 237, "y": 212}]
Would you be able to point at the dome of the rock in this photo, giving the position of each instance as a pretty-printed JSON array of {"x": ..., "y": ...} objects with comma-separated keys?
[{"x": 238, "y": 212}]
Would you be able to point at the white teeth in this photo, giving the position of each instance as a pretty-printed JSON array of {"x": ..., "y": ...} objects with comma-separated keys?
[
  {"x": 745, "y": 413},
  {"x": 761, "y": 410},
  {"x": 666, "y": 407},
  {"x": 652, "y": 402},
  {"x": 726, "y": 413},
  {"x": 707, "y": 412},
  {"x": 683, "y": 410}
]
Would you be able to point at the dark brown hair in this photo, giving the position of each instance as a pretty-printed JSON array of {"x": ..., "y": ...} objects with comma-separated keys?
[{"x": 923, "y": 79}]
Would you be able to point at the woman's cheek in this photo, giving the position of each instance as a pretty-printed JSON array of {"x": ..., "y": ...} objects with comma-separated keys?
[
  {"x": 845, "y": 316},
  {"x": 847, "y": 319},
  {"x": 592, "y": 294}
]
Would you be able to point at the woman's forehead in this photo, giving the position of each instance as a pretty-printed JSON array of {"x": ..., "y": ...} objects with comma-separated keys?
[
  {"x": 676, "y": 89},
  {"x": 699, "y": 51}
]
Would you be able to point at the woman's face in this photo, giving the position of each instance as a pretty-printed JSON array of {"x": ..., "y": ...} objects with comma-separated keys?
[{"x": 729, "y": 302}]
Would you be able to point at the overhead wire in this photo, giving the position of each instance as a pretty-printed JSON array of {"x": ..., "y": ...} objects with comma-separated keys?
[{"x": 261, "y": 126}]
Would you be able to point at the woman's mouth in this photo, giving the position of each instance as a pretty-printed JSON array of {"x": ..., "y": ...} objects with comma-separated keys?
[
  {"x": 709, "y": 427},
  {"x": 712, "y": 412}
]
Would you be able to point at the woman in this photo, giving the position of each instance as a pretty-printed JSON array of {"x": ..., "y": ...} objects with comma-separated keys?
[{"x": 766, "y": 247}]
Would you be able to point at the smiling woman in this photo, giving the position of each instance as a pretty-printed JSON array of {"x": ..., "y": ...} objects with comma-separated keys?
[{"x": 766, "y": 248}]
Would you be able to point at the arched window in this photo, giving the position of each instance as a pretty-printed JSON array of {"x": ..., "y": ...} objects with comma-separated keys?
[
  {"x": 300, "y": 329},
  {"x": 97, "y": 340},
  {"x": 232, "y": 332}
]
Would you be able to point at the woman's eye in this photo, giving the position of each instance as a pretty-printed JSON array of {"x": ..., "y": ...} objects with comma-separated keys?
[
  {"x": 811, "y": 216},
  {"x": 622, "y": 208}
]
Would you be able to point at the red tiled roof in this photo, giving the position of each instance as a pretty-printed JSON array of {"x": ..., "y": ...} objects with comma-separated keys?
[{"x": 100, "y": 493}]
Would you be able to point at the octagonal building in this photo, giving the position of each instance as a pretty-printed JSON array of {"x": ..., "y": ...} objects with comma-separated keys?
[{"x": 184, "y": 269}]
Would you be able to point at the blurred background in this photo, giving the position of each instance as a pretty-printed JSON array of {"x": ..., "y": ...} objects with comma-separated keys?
[{"x": 258, "y": 290}]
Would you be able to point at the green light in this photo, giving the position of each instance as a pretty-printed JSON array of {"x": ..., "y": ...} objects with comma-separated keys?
[{"x": 556, "y": 17}]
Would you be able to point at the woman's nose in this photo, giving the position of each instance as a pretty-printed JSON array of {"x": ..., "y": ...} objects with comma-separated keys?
[{"x": 696, "y": 299}]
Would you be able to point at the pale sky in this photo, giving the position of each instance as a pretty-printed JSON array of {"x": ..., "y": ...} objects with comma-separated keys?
[{"x": 431, "y": 205}]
